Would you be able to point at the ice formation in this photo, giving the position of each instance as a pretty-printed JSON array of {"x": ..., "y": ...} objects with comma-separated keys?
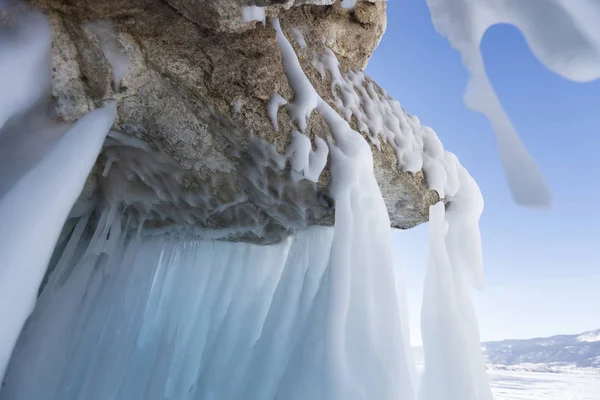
[
  {"x": 563, "y": 34},
  {"x": 130, "y": 310},
  {"x": 34, "y": 208},
  {"x": 254, "y": 13}
]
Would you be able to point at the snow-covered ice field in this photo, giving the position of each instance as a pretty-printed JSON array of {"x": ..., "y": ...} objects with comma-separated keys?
[
  {"x": 576, "y": 384},
  {"x": 524, "y": 385}
]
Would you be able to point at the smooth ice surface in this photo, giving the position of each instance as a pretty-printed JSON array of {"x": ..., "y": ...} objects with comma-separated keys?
[
  {"x": 33, "y": 213},
  {"x": 563, "y": 34},
  {"x": 454, "y": 365},
  {"x": 124, "y": 317},
  {"x": 35, "y": 202}
]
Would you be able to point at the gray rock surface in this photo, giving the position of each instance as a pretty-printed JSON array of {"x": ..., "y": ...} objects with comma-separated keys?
[{"x": 196, "y": 88}]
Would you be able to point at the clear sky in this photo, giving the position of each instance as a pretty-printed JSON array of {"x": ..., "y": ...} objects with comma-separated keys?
[{"x": 542, "y": 266}]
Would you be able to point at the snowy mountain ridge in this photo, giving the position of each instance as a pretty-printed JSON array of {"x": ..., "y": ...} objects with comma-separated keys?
[
  {"x": 590, "y": 337},
  {"x": 576, "y": 351}
]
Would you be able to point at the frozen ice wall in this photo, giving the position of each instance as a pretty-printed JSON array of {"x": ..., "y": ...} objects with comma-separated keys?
[
  {"x": 563, "y": 34},
  {"x": 132, "y": 313}
]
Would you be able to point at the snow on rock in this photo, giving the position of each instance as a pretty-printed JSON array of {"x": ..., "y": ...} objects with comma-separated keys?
[
  {"x": 299, "y": 37},
  {"x": 306, "y": 97},
  {"x": 306, "y": 161},
  {"x": 348, "y": 3},
  {"x": 273, "y": 106},
  {"x": 384, "y": 120},
  {"x": 254, "y": 13}
]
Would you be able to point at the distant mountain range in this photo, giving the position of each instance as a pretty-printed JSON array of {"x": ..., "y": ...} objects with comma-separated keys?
[
  {"x": 543, "y": 354},
  {"x": 581, "y": 351}
]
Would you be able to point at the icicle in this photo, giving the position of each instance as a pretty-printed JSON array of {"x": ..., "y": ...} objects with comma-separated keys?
[
  {"x": 254, "y": 13},
  {"x": 273, "y": 105},
  {"x": 454, "y": 365},
  {"x": 306, "y": 161},
  {"x": 363, "y": 311},
  {"x": 33, "y": 213},
  {"x": 563, "y": 34}
]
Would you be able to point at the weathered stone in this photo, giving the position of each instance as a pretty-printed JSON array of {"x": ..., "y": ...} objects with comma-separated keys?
[{"x": 193, "y": 65}]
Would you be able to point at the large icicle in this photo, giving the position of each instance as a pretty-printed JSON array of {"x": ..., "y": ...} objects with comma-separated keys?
[
  {"x": 366, "y": 353},
  {"x": 33, "y": 213},
  {"x": 35, "y": 208},
  {"x": 563, "y": 34},
  {"x": 454, "y": 365}
]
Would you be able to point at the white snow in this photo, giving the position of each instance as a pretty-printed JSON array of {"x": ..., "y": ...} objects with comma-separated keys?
[
  {"x": 589, "y": 337},
  {"x": 299, "y": 37},
  {"x": 254, "y": 13},
  {"x": 310, "y": 163},
  {"x": 524, "y": 384},
  {"x": 563, "y": 34},
  {"x": 383, "y": 120},
  {"x": 348, "y": 3},
  {"x": 273, "y": 106},
  {"x": 305, "y": 96}
]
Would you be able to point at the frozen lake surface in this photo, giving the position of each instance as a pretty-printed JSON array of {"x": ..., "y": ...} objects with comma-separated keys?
[
  {"x": 526, "y": 385},
  {"x": 521, "y": 384}
]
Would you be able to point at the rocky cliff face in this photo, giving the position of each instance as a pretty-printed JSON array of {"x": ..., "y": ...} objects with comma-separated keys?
[{"x": 201, "y": 135}]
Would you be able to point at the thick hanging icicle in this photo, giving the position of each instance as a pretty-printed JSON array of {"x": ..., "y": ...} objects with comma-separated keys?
[
  {"x": 365, "y": 350},
  {"x": 454, "y": 365},
  {"x": 33, "y": 213},
  {"x": 34, "y": 209},
  {"x": 563, "y": 34}
]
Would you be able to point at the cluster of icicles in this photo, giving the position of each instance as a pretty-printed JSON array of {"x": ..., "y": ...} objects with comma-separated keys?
[{"x": 127, "y": 316}]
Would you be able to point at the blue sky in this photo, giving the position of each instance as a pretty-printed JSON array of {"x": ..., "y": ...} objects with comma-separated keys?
[{"x": 542, "y": 266}]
